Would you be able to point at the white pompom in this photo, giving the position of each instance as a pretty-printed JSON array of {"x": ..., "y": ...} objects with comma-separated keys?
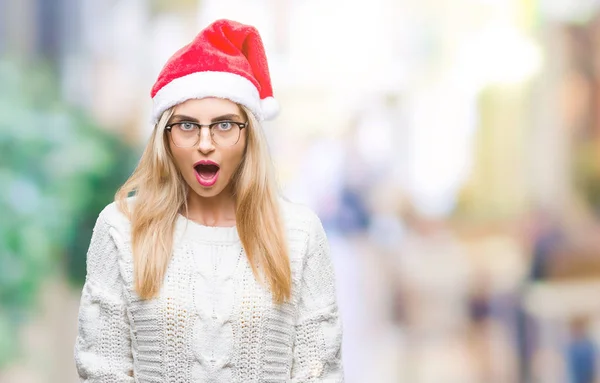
[{"x": 270, "y": 108}]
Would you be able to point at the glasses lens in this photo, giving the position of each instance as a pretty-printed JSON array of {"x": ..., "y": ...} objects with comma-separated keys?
[
  {"x": 184, "y": 135},
  {"x": 226, "y": 137}
]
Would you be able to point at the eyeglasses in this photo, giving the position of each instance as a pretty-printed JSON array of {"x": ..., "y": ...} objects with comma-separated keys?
[{"x": 186, "y": 134}]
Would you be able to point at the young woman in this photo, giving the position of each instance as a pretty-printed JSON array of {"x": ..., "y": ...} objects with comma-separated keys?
[{"x": 199, "y": 271}]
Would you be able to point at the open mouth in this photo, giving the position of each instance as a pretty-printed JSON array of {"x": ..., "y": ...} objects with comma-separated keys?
[{"x": 206, "y": 173}]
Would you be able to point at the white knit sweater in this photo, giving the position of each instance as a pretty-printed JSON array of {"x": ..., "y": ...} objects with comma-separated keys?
[{"x": 212, "y": 322}]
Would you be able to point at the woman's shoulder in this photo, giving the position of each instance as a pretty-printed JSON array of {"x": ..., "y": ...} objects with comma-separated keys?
[
  {"x": 300, "y": 217},
  {"x": 114, "y": 215},
  {"x": 305, "y": 233}
]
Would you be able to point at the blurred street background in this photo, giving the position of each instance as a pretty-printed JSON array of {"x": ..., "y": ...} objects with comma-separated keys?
[{"x": 450, "y": 147}]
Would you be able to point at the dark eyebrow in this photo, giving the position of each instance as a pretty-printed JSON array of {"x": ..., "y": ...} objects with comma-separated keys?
[
  {"x": 181, "y": 117},
  {"x": 231, "y": 116}
]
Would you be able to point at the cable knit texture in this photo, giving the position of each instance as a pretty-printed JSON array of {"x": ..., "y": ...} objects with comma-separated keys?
[{"x": 212, "y": 321}]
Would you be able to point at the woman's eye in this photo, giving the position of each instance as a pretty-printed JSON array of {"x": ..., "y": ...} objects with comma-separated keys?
[
  {"x": 225, "y": 125},
  {"x": 186, "y": 126}
]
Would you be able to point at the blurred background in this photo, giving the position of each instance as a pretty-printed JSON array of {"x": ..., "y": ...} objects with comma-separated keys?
[{"x": 451, "y": 149}]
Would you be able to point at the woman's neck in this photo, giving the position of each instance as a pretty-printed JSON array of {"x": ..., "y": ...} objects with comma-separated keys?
[{"x": 212, "y": 211}]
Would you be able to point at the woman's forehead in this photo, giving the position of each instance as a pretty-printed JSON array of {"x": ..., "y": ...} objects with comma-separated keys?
[{"x": 207, "y": 108}]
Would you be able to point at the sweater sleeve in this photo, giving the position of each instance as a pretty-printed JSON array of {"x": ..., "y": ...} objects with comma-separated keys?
[
  {"x": 317, "y": 346},
  {"x": 103, "y": 345}
]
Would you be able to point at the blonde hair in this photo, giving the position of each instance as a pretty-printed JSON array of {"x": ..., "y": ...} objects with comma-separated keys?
[{"x": 161, "y": 193}]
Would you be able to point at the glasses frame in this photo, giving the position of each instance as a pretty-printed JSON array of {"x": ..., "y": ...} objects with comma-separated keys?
[{"x": 241, "y": 125}]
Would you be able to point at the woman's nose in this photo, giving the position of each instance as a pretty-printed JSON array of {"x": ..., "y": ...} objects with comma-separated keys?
[{"x": 205, "y": 144}]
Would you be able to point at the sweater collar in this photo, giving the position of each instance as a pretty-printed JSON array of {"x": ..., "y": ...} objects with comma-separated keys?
[{"x": 202, "y": 233}]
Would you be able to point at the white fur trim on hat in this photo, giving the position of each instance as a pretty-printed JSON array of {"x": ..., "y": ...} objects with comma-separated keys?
[
  {"x": 269, "y": 107},
  {"x": 208, "y": 84}
]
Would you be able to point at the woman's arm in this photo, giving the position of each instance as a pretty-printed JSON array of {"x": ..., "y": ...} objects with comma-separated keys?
[
  {"x": 317, "y": 348},
  {"x": 103, "y": 346}
]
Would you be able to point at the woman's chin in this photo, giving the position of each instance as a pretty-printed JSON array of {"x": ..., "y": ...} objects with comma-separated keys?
[{"x": 207, "y": 191}]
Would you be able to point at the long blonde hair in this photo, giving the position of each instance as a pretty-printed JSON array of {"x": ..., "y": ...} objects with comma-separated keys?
[{"x": 161, "y": 194}]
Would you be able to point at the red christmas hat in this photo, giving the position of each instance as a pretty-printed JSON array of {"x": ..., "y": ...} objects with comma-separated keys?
[{"x": 226, "y": 60}]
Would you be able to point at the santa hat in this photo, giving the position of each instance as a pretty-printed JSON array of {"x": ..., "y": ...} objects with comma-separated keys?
[{"x": 226, "y": 60}]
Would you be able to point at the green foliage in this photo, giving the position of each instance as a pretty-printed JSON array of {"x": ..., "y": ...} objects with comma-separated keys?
[
  {"x": 586, "y": 173},
  {"x": 164, "y": 6},
  {"x": 57, "y": 171}
]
